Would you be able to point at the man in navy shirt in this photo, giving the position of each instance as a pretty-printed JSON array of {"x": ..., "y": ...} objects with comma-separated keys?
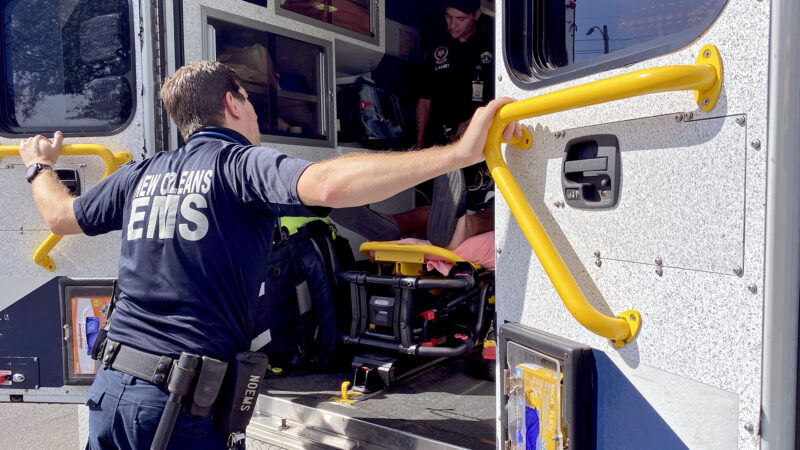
[{"x": 195, "y": 224}]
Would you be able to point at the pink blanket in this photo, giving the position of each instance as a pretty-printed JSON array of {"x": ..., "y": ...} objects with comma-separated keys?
[{"x": 478, "y": 249}]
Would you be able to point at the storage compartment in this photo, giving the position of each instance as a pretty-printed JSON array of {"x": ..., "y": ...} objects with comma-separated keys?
[
  {"x": 355, "y": 18},
  {"x": 284, "y": 74}
]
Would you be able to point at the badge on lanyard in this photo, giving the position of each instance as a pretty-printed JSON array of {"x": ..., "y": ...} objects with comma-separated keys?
[
  {"x": 477, "y": 86},
  {"x": 477, "y": 91}
]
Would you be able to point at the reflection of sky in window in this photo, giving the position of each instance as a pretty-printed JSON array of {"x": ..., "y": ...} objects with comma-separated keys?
[{"x": 631, "y": 22}]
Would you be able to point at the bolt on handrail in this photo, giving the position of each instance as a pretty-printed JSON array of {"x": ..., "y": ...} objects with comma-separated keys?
[
  {"x": 112, "y": 161},
  {"x": 704, "y": 78}
]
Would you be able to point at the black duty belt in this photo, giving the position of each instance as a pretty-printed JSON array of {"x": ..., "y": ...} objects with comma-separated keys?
[{"x": 128, "y": 360}]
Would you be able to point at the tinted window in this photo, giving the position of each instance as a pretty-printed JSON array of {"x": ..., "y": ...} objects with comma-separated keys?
[
  {"x": 67, "y": 65},
  {"x": 553, "y": 38}
]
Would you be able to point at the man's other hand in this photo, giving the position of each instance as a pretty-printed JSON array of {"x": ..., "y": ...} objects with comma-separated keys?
[
  {"x": 470, "y": 147},
  {"x": 39, "y": 149}
]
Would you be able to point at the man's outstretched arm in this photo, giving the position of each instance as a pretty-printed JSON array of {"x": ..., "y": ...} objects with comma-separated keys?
[
  {"x": 355, "y": 180},
  {"x": 51, "y": 196}
]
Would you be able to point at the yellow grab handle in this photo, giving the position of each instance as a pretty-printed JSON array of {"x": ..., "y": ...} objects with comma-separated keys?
[
  {"x": 113, "y": 161},
  {"x": 704, "y": 78}
]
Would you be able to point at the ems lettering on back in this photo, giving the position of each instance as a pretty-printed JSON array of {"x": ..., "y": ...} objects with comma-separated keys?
[
  {"x": 166, "y": 201},
  {"x": 250, "y": 393}
]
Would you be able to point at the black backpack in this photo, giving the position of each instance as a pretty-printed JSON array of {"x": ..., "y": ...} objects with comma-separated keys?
[
  {"x": 304, "y": 304},
  {"x": 371, "y": 116}
]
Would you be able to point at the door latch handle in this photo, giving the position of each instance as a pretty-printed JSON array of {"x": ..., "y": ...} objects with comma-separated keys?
[
  {"x": 586, "y": 165},
  {"x": 591, "y": 172}
]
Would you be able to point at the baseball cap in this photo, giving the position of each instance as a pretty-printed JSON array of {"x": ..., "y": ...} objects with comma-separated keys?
[{"x": 465, "y": 6}]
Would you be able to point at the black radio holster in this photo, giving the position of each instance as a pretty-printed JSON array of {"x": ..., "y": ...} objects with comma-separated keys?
[
  {"x": 209, "y": 381},
  {"x": 237, "y": 401}
]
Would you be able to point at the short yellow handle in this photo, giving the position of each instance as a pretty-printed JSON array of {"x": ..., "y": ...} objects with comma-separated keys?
[
  {"x": 704, "y": 78},
  {"x": 112, "y": 161}
]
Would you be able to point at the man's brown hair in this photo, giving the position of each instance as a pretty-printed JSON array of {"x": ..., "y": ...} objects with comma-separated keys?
[{"x": 194, "y": 95}]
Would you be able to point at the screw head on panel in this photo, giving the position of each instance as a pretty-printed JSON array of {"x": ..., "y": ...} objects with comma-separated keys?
[
  {"x": 499, "y": 250},
  {"x": 752, "y": 288},
  {"x": 740, "y": 120},
  {"x": 738, "y": 271},
  {"x": 596, "y": 253},
  {"x": 659, "y": 271},
  {"x": 756, "y": 144},
  {"x": 688, "y": 116},
  {"x": 500, "y": 78},
  {"x": 679, "y": 117},
  {"x": 598, "y": 262},
  {"x": 749, "y": 427},
  {"x": 706, "y": 101},
  {"x": 707, "y": 54},
  {"x": 658, "y": 261}
]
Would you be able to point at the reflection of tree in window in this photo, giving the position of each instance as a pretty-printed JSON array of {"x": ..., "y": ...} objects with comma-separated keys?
[
  {"x": 631, "y": 22},
  {"x": 67, "y": 63}
]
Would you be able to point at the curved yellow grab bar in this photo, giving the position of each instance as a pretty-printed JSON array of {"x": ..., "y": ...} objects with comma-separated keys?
[
  {"x": 705, "y": 78},
  {"x": 42, "y": 254}
]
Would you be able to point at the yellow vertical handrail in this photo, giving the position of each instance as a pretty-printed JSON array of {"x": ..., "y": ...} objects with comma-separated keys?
[
  {"x": 704, "y": 78},
  {"x": 112, "y": 162}
]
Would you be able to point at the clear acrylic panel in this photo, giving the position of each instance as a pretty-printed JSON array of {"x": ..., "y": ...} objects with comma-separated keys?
[{"x": 283, "y": 77}]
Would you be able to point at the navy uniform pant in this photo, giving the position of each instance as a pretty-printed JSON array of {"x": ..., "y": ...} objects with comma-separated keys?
[{"x": 124, "y": 412}]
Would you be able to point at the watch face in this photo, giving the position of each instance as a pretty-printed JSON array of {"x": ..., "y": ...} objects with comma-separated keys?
[{"x": 31, "y": 170}]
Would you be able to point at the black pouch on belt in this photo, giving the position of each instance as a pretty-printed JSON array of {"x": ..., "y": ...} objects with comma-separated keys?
[
  {"x": 237, "y": 404},
  {"x": 212, "y": 373}
]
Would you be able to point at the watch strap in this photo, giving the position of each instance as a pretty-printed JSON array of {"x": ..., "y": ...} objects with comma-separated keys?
[{"x": 32, "y": 171}]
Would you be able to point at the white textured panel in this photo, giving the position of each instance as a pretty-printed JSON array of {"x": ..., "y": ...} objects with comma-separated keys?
[
  {"x": 681, "y": 196},
  {"x": 702, "y": 324},
  {"x": 76, "y": 255},
  {"x": 83, "y": 426}
]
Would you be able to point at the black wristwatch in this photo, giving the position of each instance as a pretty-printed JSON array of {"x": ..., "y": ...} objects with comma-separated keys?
[{"x": 34, "y": 170}]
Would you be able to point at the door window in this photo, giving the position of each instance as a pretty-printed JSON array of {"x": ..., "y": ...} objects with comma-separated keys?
[
  {"x": 68, "y": 65},
  {"x": 560, "y": 39}
]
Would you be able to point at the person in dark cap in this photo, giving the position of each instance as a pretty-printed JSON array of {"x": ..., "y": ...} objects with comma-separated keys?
[{"x": 457, "y": 74}]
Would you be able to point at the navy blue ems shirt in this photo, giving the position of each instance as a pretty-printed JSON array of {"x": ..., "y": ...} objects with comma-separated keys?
[{"x": 197, "y": 226}]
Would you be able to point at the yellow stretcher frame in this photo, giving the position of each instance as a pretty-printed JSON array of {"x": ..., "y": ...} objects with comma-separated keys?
[
  {"x": 704, "y": 78},
  {"x": 408, "y": 258},
  {"x": 112, "y": 161}
]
